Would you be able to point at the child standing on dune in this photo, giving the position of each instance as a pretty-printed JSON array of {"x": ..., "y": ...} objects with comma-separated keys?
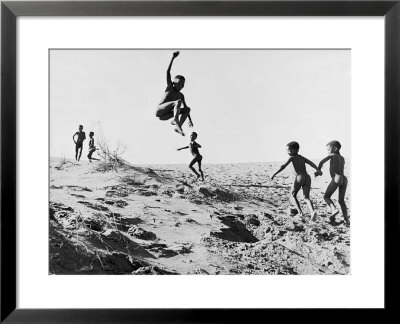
[
  {"x": 194, "y": 149},
  {"x": 173, "y": 102},
  {"x": 302, "y": 178},
  {"x": 339, "y": 180},
  {"x": 79, "y": 142}
]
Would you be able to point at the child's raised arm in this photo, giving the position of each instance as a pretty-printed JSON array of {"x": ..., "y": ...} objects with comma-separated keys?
[
  {"x": 169, "y": 80},
  {"x": 182, "y": 148},
  {"x": 282, "y": 167}
]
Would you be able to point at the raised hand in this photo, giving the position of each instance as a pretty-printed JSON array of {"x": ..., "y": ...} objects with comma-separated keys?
[{"x": 175, "y": 54}]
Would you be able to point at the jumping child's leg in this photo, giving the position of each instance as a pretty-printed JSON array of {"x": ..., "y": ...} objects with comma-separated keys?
[
  {"x": 172, "y": 109},
  {"x": 76, "y": 152},
  {"x": 185, "y": 113},
  {"x": 327, "y": 197},
  {"x": 193, "y": 169},
  {"x": 175, "y": 121},
  {"x": 342, "y": 192},
  {"x": 306, "y": 192},
  {"x": 200, "y": 170},
  {"x": 166, "y": 110}
]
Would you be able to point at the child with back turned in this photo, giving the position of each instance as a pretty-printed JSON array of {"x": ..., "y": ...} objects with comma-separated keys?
[
  {"x": 302, "y": 178},
  {"x": 339, "y": 180},
  {"x": 194, "y": 149},
  {"x": 173, "y": 102}
]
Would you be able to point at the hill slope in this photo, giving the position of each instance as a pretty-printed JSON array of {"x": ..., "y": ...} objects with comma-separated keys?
[{"x": 157, "y": 220}]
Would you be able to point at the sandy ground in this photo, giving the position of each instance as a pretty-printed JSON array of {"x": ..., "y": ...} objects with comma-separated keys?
[{"x": 158, "y": 220}]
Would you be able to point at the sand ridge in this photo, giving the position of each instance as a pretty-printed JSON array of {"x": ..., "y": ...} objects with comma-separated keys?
[{"x": 158, "y": 220}]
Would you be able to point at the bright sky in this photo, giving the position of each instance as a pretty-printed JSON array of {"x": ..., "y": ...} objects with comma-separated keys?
[{"x": 246, "y": 104}]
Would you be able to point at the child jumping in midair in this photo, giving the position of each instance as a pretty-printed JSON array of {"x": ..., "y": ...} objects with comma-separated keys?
[
  {"x": 173, "y": 103},
  {"x": 79, "y": 142},
  {"x": 194, "y": 149},
  {"x": 339, "y": 180},
  {"x": 92, "y": 148},
  {"x": 302, "y": 178}
]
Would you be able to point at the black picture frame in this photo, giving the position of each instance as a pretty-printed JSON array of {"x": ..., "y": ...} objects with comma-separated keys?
[{"x": 10, "y": 10}]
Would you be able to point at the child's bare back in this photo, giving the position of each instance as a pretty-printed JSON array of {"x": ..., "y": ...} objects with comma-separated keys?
[
  {"x": 339, "y": 180},
  {"x": 336, "y": 168},
  {"x": 302, "y": 178}
]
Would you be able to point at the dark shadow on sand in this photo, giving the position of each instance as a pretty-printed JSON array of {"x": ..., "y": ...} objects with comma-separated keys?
[{"x": 257, "y": 186}]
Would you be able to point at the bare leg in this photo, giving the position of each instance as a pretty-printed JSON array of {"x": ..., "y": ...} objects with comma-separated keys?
[
  {"x": 80, "y": 153},
  {"x": 295, "y": 189},
  {"x": 90, "y": 156},
  {"x": 306, "y": 192},
  {"x": 76, "y": 153},
  {"x": 175, "y": 121},
  {"x": 327, "y": 197},
  {"x": 185, "y": 113},
  {"x": 193, "y": 169},
  {"x": 200, "y": 170},
  {"x": 342, "y": 192},
  {"x": 167, "y": 116},
  {"x": 169, "y": 110},
  {"x": 177, "y": 111},
  {"x": 165, "y": 109}
]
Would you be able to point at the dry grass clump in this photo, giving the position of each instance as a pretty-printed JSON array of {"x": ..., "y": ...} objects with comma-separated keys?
[
  {"x": 111, "y": 158},
  {"x": 64, "y": 163}
]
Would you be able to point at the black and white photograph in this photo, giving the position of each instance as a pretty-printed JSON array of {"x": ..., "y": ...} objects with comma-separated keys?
[{"x": 200, "y": 161}]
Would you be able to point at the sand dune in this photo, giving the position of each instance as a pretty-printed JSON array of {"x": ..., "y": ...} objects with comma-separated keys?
[{"x": 158, "y": 220}]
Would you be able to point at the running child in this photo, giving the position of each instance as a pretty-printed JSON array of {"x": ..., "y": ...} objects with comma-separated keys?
[
  {"x": 92, "y": 148},
  {"x": 339, "y": 180},
  {"x": 302, "y": 178},
  {"x": 79, "y": 142},
  {"x": 173, "y": 102},
  {"x": 194, "y": 149}
]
